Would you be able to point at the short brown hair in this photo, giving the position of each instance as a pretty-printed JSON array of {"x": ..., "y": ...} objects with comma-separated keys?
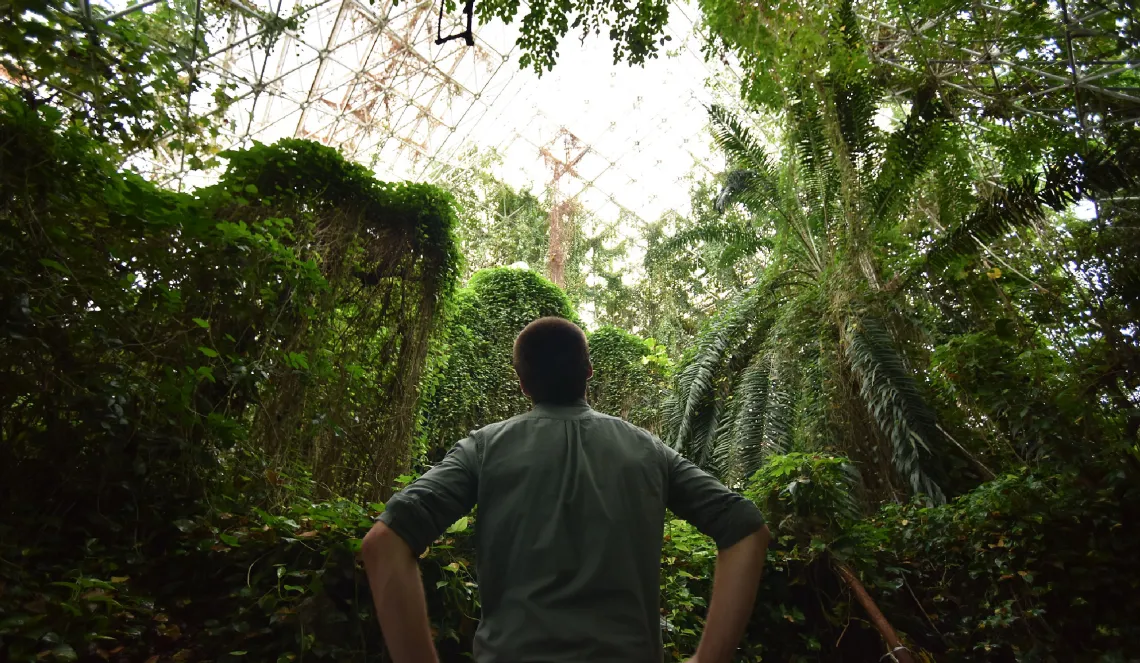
[{"x": 552, "y": 360}]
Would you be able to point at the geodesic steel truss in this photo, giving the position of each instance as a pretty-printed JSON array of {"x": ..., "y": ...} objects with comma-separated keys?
[
  {"x": 365, "y": 78},
  {"x": 1069, "y": 62},
  {"x": 369, "y": 79}
]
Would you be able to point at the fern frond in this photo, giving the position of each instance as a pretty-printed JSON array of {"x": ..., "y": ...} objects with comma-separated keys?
[{"x": 891, "y": 395}]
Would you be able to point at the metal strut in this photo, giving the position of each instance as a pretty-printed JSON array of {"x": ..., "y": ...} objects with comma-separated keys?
[{"x": 467, "y": 35}]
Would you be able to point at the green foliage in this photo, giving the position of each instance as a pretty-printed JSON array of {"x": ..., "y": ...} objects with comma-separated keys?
[
  {"x": 808, "y": 243},
  {"x": 832, "y": 222},
  {"x": 173, "y": 350},
  {"x": 302, "y": 172},
  {"x": 626, "y": 382},
  {"x": 109, "y": 390},
  {"x": 1026, "y": 202},
  {"x": 808, "y": 498},
  {"x": 784, "y": 46},
  {"x": 388, "y": 255},
  {"x": 1031, "y": 566},
  {"x": 202, "y": 389},
  {"x": 635, "y": 28},
  {"x": 125, "y": 80},
  {"x": 498, "y": 225},
  {"x": 160, "y": 342},
  {"x": 687, "y": 561},
  {"x": 684, "y": 281},
  {"x": 474, "y": 383}
]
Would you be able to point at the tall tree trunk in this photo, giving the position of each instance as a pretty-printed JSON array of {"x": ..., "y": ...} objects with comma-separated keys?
[
  {"x": 561, "y": 210},
  {"x": 897, "y": 650},
  {"x": 556, "y": 255}
]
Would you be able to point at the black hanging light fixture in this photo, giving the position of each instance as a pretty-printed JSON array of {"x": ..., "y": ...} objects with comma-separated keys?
[{"x": 467, "y": 35}]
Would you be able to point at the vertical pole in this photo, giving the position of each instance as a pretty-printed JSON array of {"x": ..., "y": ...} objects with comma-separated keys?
[
  {"x": 1076, "y": 82},
  {"x": 556, "y": 254},
  {"x": 190, "y": 80},
  {"x": 323, "y": 58},
  {"x": 1074, "y": 75}
]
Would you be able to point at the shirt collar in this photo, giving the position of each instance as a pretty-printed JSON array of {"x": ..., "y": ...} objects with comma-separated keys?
[{"x": 577, "y": 407}]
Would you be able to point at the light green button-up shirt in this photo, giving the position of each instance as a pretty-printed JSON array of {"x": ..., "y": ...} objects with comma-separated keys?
[{"x": 568, "y": 541}]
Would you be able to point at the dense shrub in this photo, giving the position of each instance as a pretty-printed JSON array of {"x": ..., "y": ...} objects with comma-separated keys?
[
  {"x": 387, "y": 259},
  {"x": 1033, "y": 566},
  {"x": 242, "y": 585},
  {"x": 151, "y": 331},
  {"x": 629, "y": 376},
  {"x": 474, "y": 383}
]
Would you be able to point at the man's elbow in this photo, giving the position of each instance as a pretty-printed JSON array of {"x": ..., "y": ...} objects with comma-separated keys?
[
  {"x": 381, "y": 541},
  {"x": 757, "y": 542}
]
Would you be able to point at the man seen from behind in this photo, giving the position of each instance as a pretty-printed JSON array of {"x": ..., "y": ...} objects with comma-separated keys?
[{"x": 572, "y": 509}]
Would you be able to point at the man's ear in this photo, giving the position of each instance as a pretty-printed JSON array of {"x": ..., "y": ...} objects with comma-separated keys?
[
  {"x": 522, "y": 385},
  {"x": 590, "y": 372}
]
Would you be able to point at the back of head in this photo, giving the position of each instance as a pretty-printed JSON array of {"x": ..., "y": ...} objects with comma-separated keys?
[{"x": 552, "y": 360}]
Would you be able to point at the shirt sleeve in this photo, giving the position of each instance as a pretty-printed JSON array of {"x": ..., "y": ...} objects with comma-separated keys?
[
  {"x": 719, "y": 513},
  {"x": 421, "y": 512}
]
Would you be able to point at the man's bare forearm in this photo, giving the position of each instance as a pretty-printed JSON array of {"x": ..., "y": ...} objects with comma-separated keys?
[
  {"x": 735, "y": 583},
  {"x": 398, "y": 593}
]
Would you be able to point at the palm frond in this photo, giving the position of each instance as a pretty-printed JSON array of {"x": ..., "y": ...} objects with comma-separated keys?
[
  {"x": 723, "y": 451},
  {"x": 701, "y": 446},
  {"x": 855, "y": 107},
  {"x": 747, "y": 155},
  {"x": 696, "y": 381},
  {"x": 856, "y": 93},
  {"x": 847, "y": 24},
  {"x": 1018, "y": 206},
  {"x": 750, "y": 413},
  {"x": 909, "y": 155},
  {"x": 735, "y": 239},
  {"x": 779, "y": 423},
  {"x": 891, "y": 395},
  {"x": 1024, "y": 203},
  {"x": 747, "y": 187},
  {"x": 813, "y": 165},
  {"x": 738, "y": 142},
  {"x": 808, "y": 134}
]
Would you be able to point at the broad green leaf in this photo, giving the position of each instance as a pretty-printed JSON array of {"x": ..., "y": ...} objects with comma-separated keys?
[{"x": 57, "y": 266}]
